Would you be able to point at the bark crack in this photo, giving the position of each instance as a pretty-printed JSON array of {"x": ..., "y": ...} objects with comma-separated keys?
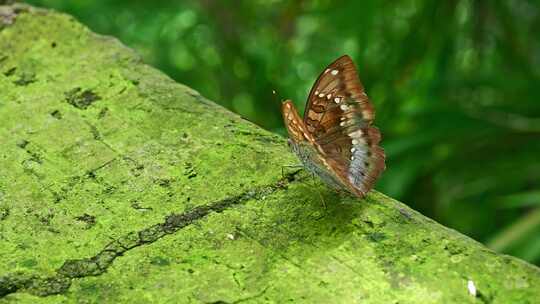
[{"x": 98, "y": 264}]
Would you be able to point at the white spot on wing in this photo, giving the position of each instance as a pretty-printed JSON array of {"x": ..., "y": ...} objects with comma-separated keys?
[
  {"x": 344, "y": 107},
  {"x": 358, "y": 141},
  {"x": 321, "y": 95},
  {"x": 357, "y": 133},
  {"x": 326, "y": 71},
  {"x": 328, "y": 96},
  {"x": 334, "y": 72},
  {"x": 337, "y": 100}
]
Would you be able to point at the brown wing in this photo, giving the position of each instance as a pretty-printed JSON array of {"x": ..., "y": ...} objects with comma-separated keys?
[
  {"x": 339, "y": 116},
  {"x": 295, "y": 126},
  {"x": 297, "y": 130},
  {"x": 308, "y": 151}
]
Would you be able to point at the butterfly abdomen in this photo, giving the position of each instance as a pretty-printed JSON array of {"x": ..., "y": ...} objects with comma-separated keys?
[{"x": 315, "y": 165}]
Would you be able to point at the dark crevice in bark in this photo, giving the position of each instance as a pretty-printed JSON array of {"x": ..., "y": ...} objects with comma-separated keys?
[{"x": 98, "y": 264}]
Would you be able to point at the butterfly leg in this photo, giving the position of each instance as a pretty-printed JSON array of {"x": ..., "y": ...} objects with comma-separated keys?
[
  {"x": 322, "y": 200},
  {"x": 318, "y": 214},
  {"x": 314, "y": 186}
]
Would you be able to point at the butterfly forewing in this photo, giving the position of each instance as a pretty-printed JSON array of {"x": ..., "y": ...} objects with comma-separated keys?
[
  {"x": 338, "y": 118},
  {"x": 338, "y": 80}
]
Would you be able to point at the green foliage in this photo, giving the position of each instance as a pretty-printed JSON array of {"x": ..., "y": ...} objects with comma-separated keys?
[{"x": 454, "y": 83}]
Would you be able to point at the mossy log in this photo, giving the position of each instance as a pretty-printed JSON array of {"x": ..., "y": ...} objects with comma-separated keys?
[{"x": 118, "y": 184}]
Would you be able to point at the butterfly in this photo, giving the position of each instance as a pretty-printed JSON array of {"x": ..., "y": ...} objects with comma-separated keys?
[{"x": 336, "y": 139}]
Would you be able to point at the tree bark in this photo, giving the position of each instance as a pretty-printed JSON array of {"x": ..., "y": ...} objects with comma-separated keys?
[{"x": 119, "y": 185}]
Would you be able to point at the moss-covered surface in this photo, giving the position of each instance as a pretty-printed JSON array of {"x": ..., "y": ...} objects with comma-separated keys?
[{"x": 119, "y": 185}]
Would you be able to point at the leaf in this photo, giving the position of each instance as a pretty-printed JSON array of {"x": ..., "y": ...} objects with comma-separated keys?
[{"x": 519, "y": 200}]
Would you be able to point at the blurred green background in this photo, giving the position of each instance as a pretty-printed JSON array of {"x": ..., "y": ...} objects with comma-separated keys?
[{"x": 456, "y": 85}]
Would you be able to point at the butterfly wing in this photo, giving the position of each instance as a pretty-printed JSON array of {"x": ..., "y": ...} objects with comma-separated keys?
[
  {"x": 339, "y": 117},
  {"x": 308, "y": 151},
  {"x": 295, "y": 126}
]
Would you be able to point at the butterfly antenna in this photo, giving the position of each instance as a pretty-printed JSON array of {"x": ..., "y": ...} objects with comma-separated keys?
[{"x": 277, "y": 97}]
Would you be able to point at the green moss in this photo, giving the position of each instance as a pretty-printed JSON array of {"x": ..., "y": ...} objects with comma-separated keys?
[{"x": 117, "y": 185}]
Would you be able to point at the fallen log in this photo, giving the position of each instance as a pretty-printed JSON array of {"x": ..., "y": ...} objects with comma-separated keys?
[{"x": 119, "y": 185}]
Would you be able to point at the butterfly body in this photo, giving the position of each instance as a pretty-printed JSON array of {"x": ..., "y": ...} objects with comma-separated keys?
[
  {"x": 315, "y": 164},
  {"x": 336, "y": 140}
]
